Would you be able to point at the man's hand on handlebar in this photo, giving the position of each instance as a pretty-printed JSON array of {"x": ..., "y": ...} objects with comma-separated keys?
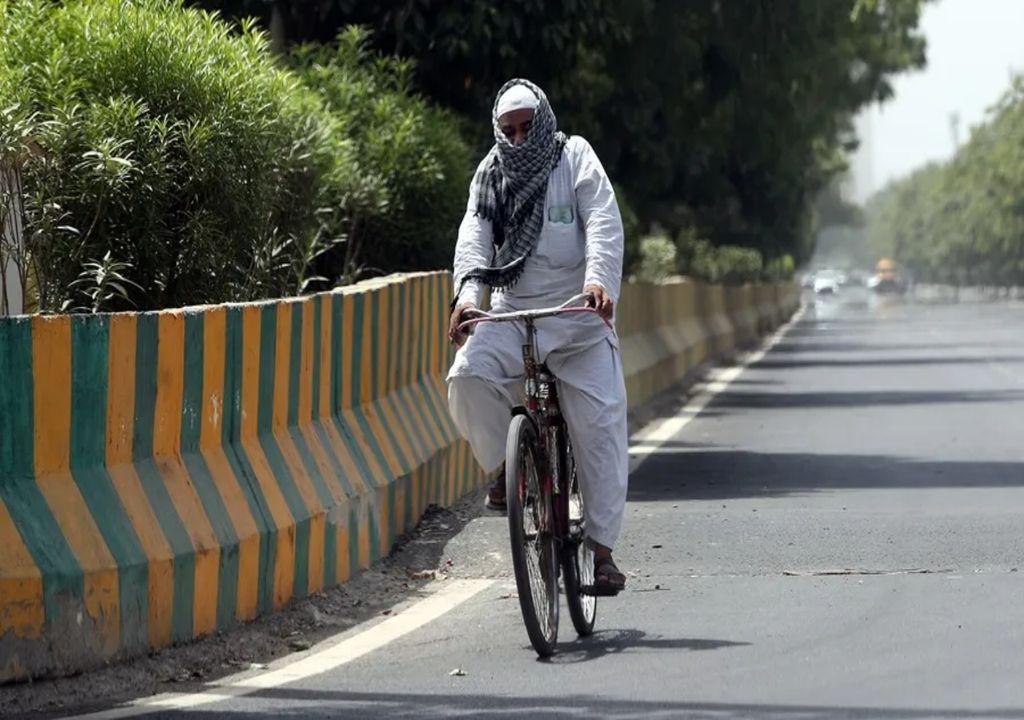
[
  {"x": 600, "y": 301},
  {"x": 456, "y": 337}
]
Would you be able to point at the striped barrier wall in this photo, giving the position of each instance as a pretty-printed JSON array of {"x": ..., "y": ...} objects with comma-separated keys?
[
  {"x": 668, "y": 330},
  {"x": 165, "y": 475}
]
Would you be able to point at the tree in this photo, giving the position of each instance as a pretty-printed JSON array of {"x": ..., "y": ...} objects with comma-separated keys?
[{"x": 728, "y": 117}]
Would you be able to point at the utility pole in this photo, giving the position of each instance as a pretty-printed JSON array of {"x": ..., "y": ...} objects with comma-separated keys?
[{"x": 954, "y": 128}]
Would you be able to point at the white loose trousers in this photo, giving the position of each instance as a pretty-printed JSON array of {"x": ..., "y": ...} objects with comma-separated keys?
[{"x": 592, "y": 396}]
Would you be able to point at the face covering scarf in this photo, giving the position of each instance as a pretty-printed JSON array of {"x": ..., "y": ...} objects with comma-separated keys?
[{"x": 511, "y": 187}]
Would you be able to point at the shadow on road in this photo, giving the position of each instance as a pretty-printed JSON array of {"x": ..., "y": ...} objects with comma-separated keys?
[
  {"x": 736, "y": 400},
  {"x": 299, "y": 702},
  {"x": 770, "y": 363},
  {"x": 614, "y": 642},
  {"x": 675, "y": 473},
  {"x": 856, "y": 347}
]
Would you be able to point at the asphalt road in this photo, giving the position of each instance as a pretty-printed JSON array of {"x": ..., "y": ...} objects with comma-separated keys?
[{"x": 837, "y": 535}]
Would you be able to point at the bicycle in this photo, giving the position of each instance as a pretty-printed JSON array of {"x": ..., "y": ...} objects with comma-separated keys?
[{"x": 545, "y": 505}]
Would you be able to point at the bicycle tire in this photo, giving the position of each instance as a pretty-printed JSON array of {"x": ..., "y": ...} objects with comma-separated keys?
[
  {"x": 578, "y": 568},
  {"x": 534, "y": 555}
]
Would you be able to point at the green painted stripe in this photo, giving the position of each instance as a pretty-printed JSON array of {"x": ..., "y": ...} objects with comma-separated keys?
[
  {"x": 336, "y": 353},
  {"x": 428, "y": 311},
  {"x": 231, "y": 433},
  {"x": 392, "y": 513},
  {"x": 330, "y": 553},
  {"x": 332, "y": 459},
  {"x": 321, "y": 433},
  {"x": 377, "y": 382},
  {"x": 373, "y": 350},
  {"x": 409, "y": 428},
  {"x": 442, "y": 420},
  {"x": 324, "y": 493},
  {"x": 399, "y": 398},
  {"x": 337, "y": 378},
  {"x": 264, "y": 423},
  {"x": 408, "y": 510},
  {"x": 90, "y": 342},
  {"x": 295, "y": 364},
  {"x": 353, "y": 539},
  {"x": 418, "y": 402},
  {"x": 359, "y": 336},
  {"x": 318, "y": 322},
  {"x": 199, "y": 471},
  {"x": 146, "y": 357},
  {"x": 42, "y": 535}
]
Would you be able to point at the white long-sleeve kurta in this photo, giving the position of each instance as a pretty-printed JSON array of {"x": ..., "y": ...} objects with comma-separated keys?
[{"x": 581, "y": 243}]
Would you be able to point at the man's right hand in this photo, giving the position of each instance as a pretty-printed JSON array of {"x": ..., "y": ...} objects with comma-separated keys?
[{"x": 458, "y": 338}]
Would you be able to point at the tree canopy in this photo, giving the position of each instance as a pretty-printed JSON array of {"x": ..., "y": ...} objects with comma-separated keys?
[
  {"x": 721, "y": 118},
  {"x": 962, "y": 221}
]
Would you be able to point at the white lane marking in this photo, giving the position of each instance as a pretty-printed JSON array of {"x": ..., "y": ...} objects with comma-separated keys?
[
  {"x": 335, "y": 652},
  {"x": 647, "y": 441}
]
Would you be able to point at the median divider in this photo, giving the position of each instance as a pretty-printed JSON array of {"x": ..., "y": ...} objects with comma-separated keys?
[
  {"x": 669, "y": 329},
  {"x": 166, "y": 475}
]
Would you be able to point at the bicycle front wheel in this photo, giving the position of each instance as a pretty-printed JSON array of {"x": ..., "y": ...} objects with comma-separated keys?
[
  {"x": 578, "y": 565},
  {"x": 531, "y": 525}
]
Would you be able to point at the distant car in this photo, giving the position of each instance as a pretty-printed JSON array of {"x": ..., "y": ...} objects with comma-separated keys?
[{"x": 825, "y": 285}]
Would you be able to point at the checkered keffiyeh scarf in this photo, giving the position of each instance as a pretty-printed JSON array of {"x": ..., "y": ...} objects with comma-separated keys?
[{"x": 512, "y": 184}]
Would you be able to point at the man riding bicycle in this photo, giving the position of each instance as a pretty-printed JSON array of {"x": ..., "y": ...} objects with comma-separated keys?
[{"x": 541, "y": 224}]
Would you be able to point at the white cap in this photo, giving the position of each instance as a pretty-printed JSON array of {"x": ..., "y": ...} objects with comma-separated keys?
[{"x": 517, "y": 97}]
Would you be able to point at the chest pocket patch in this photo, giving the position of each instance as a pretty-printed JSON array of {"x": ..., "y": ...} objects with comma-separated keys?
[{"x": 562, "y": 214}]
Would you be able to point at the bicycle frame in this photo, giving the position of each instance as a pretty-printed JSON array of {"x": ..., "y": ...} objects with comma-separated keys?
[{"x": 541, "y": 398}]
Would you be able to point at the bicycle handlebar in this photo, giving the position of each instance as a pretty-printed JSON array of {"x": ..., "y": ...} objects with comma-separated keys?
[{"x": 569, "y": 307}]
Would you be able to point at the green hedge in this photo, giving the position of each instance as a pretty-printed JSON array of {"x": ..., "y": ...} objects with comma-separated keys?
[
  {"x": 168, "y": 158},
  {"x": 415, "y": 167},
  {"x": 728, "y": 264}
]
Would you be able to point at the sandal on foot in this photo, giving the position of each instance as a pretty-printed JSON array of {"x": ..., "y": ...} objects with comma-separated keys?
[
  {"x": 608, "y": 579},
  {"x": 495, "y": 499}
]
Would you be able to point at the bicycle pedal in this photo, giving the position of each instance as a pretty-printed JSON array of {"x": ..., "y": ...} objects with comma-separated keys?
[{"x": 599, "y": 591}]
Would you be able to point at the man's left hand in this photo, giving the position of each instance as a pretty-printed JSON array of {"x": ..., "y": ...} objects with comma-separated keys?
[{"x": 602, "y": 301}]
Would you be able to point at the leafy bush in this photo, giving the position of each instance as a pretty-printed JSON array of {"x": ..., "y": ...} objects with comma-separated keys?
[
  {"x": 657, "y": 259},
  {"x": 415, "y": 166},
  {"x": 726, "y": 263},
  {"x": 165, "y": 145},
  {"x": 167, "y": 159}
]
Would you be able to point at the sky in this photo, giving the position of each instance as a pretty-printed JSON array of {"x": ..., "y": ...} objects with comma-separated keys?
[{"x": 972, "y": 45}]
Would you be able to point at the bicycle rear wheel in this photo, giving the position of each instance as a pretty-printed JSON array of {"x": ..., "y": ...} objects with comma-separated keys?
[
  {"x": 530, "y": 524},
  {"x": 578, "y": 564}
]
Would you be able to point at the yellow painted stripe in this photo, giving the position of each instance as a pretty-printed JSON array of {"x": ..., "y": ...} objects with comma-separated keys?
[
  {"x": 305, "y": 418},
  {"x": 296, "y": 468},
  {"x": 343, "y": 570},
  {"x": 51, "y": 362},
  {"x": 385, "y": 438},
  {"x": 228, "y": 485},
  {"x": 21, "y": 585},
  {"x": 167, "y": 453},
  {"x": 326, "y": 332},
  {"x": 120, "y": 427},
  {"x": 379, "y": 475},
  {"x": 284, "y": 557},
  {"x": 326, "y": 410}
]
